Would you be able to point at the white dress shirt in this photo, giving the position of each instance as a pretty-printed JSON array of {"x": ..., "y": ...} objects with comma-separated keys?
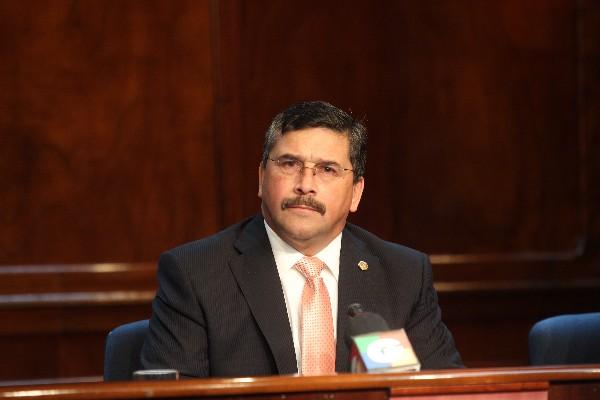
[{"x": 292, "y": 280}]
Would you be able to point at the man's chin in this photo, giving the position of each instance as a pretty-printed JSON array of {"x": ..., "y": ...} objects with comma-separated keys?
[{"x": 299, "y": 230}]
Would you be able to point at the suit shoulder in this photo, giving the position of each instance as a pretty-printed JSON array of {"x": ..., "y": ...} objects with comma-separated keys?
[
  {"x": 385, "y": 249},
  {"x": 218, "y": 243}
]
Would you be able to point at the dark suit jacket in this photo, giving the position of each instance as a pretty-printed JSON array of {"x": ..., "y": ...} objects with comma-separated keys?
[{"x": 220, "y": 308}]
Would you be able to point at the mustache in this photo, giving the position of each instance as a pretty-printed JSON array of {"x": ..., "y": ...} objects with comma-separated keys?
[{"x": 304, "y": 201}]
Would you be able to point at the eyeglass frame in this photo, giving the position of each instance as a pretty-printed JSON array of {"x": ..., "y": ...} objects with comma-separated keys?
[{"x": 300, "y": 167}]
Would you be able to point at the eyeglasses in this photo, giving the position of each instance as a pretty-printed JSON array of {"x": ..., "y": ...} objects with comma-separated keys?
[{"x": 324, "y": 171}]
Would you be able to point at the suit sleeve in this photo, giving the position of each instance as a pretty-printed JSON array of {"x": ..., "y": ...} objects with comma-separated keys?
[
  {"x": 177, "y": 334},
  {"x": 430, "y": 338}
]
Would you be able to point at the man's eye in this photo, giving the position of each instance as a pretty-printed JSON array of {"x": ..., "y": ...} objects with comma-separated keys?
[
  {"x": 329, "y": 170},
  {"x": 288, "y": 163}
]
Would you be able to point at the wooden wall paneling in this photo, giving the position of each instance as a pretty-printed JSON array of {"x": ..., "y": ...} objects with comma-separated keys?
[
  {"x": 487, "y": 181},
  {"x": 487, "y": 124},
  {"x": 76, "y": 278},
  {"x": 106, "y": 114},
  {"x": 56, "y": 318},
  {"x": 60, "y": 341},
  {"x": 490, "y": 323},
  {"x": 237, "y": 196},
  {"x": 471, "y": 110},
  {"x": 589, "y": 122},
  {"x": 131, "y": 127},
  {"x": 272, "y": 55}
]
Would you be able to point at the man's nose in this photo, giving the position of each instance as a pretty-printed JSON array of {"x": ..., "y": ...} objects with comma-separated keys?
[
  {"x": 306, "y": 180},
  {"x": 305, "y": 167}
]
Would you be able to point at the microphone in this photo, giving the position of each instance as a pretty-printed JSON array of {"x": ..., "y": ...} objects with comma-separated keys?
[
  {"x": 365, "y": 322},
  {"x": 361, "y": 322},
  {"x": 376, "y": 348},
  {"x": 354, "y": 309}
]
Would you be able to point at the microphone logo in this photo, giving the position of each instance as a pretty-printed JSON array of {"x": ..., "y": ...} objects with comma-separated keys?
[
  {"x": 386, "y": 351},
  {"x": 383, "y": 352},
  {"x": 374, "y": 348}
]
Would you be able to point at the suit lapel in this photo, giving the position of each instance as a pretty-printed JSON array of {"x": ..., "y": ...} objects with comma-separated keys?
[
  {"x": 257, "y": 276},
  {"x": 355, "y": 286}
]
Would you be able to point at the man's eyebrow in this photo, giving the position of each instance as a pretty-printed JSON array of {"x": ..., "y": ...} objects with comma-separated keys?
[
  {"x": 326, "y": 162},
  {"x": 290, "y": 156},
  {"x": 318, "y": 161}
]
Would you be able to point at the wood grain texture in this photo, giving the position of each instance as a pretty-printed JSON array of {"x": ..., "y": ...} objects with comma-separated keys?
[
  {"x": 49, "y": 315},
  {"x": 343, "y": 386},
  {"x": 107, "y": 129},
  {"x": 129, "y": 127},
  {"x": 471, "y": 106}
]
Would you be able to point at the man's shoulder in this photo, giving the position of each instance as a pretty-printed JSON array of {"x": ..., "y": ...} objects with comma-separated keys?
[
  {"x": 383, "y": 248},
  {"x": 220, "y": 242}
]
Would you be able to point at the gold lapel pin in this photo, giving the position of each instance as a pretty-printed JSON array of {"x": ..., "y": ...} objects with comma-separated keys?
[{"x": 363, "y": 265}]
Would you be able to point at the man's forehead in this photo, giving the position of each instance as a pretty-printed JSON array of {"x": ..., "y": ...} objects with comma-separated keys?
[
  {"x": 320, "y": 143},
  {"x": 317, "y": 133}
]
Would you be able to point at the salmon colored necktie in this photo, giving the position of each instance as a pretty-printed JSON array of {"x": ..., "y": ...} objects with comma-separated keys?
[{"x": 316, "y": 322}]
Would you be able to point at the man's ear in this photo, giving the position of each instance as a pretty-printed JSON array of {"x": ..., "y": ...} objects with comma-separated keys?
[
  {"x": 357, "y": 191},
  {"x": 261, "y": 172}
]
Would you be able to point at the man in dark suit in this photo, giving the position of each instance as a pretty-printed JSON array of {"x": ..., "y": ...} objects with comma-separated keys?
[{"x": 234, "y": 304}]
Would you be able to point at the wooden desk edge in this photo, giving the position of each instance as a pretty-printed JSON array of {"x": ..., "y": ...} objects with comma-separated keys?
[{"x": 464, "y": 380}]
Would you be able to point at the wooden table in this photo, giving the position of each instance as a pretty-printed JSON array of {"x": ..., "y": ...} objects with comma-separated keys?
[{"x": 536, "y": 383}]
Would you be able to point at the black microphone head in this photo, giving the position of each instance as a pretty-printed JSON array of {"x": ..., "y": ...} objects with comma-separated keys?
[{"x": 355, "y": 309}]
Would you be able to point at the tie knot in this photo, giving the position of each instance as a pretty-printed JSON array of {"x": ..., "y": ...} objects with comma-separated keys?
[{"x": 310, "y": 267}]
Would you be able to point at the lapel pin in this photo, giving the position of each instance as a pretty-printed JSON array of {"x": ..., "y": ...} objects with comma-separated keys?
[{"x": 363, "y": 265}]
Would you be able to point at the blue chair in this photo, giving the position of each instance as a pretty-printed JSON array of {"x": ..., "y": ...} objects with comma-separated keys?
[
  {"x": 566, "y": 339},
  {"x": 122, "y": 350}
]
